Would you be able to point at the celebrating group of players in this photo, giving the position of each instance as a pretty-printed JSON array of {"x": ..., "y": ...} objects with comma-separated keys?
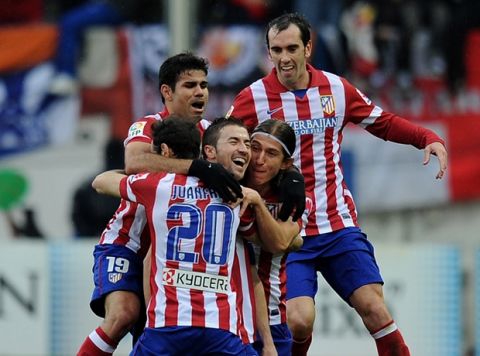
[{"x": 224, "y": 224}]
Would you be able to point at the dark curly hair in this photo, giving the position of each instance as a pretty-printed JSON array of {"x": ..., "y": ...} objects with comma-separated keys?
[{"x": 180, "y": 134}]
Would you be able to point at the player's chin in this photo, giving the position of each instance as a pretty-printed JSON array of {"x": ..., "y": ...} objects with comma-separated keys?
[
  {"x": 259, "y": 178},
  {"x": 238, "y": 172},
  {"x": 196, "y": 113}
]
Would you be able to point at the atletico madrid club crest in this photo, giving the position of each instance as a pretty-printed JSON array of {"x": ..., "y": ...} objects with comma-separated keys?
[
  {"x": 328, "y": 105},
  {"x": 114, "y": 277}
]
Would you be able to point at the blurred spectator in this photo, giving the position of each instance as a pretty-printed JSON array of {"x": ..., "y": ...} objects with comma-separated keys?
[
  {"x": 74, "y": 22},
  {"x": 357, "y": 23},
  {"x": 91, "y": 211},
  {"x": 464, "y": 17},
  {"x": 252, "y": 12},
  {"x": 19, "y": 12},
  {"x": 26, "y": 227},
  {"x": 63, "y": 6},
  {"x": 392, "y": 37},
  {"x": 434, "y": 19},
  {"x": 328, "y": 40},
  {"x": 409, "y": 37}
]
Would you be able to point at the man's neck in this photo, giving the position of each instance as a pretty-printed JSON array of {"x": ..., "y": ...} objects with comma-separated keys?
[
  {"x": 262, "y": 189},
  {"x": 300, "y": 84}
]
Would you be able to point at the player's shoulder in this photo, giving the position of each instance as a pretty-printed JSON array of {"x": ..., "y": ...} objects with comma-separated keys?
[
  {"x": 334, "y": 79},
  {"x": 150, "y": 118},
  {"x": 153, "y": 117},
  {"x": 151, "y": 177},
  {"x": 141, "y": 123}
]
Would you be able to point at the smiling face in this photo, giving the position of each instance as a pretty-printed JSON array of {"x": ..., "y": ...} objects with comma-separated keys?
[
  {"x": 232, "y": 150},
  {"x": 289, "y": 56},
  {"x": 190, "y": 95},
  {"x": 268, "y": 159}
]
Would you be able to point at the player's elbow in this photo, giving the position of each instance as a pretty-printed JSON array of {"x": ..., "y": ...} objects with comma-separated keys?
[
  {"x": 98, "y": 184},
  {"x": 132, "y": 166}
]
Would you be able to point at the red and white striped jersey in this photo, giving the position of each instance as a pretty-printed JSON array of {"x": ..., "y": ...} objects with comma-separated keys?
[
  {"x": 141, "y": 130},
  {"x": 243, "y": 283},
  {"x": 272, "y": 273},
  {"x": 318, "y": 116},
  {"x": 272, "y": 267},
  {"x": 126, "y": 227},
  {"x": 193, "y": 241}
]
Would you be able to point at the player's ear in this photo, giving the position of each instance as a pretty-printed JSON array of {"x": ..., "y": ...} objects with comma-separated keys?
[
  {"x": 308, "y": 49},
  {"x": 165, "y": 151},
  {"x": 209, "y": 152},
  {"x": 166, "y": 92}
]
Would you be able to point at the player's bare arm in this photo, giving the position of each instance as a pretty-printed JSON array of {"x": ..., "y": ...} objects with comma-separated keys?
[
  {"x": 140, "y": 158},
  {"x": 261, "y": 309},
  {"x": 275, "y": 235},
  {"x": 439, "y": 150},
  {"x": 109, "y": 182},
  {"x": 147, "y": 264}
]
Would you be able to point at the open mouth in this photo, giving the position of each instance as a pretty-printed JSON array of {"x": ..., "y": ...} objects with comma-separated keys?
[
  {"x": 239, "y": 161},
  {"x": 199, "y": 105},
  {"x": 287, "y": 68}
]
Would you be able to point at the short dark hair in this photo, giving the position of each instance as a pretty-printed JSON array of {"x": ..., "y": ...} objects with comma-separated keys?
[
  {"x": 174, "y": 66},
  {"x": 212, "y": 133},
  {"x": 281, "y": 131},
  {"x": 282, "y": 22},
  {"x": 180, "y": 134}
]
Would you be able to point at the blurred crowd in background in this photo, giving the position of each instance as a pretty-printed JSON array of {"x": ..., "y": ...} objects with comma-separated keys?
[
  {"x": 377, "y": 42},
  {"x": 383, "y": 47}
]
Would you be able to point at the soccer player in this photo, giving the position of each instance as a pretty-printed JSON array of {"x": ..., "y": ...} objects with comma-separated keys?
[
  {"x": 183, "y": 87},
  {"x": 118, "y": 256},
  {"x": 318, "y": 105},
  {"x": 192, "y": 308},
  {"x": 273, "y": 144}
]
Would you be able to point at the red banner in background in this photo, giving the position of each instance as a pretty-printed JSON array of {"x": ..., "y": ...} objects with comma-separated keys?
[
  {"x": 464, "y": 156},
  {"x": 428, "y": 100}
]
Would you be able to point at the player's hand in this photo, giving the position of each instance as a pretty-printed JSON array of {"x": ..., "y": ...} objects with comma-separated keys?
[
  {"x": 250, "y": 197},
  {"x": 216, "y": 177},
  {"x": 269, "y": 350},
  {"x": 292, "y": 195},
  {"x": 439, "y": 150}
]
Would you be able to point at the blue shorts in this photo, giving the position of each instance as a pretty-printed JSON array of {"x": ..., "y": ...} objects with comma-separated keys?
[
  {"x": 345, "y": 258},
  {"x": 188, "y": 341},
  {"x": 251, "y": 351},
  {"x": 116, "y": 268},
  {"x": 282, "y": 338}
]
